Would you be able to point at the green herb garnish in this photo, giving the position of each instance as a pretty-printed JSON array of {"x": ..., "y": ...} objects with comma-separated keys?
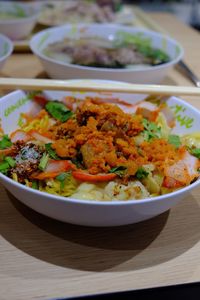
[
  {"x": 174, "y": 140},
  {"x": 6, "y": 164},
  {"x": 141, "y": 173},
  {"x": 195, "y": 152},
  {"x": 10, "y": 161},
  {"x": 4, "y": 167},
  {"x": 51, "y": 152},
  {"x": 35, "y": 185},
  {"x": 61, "y": 177},
  {"x": 151, "y": 130},
  {"x": 142, "y": 45},
  {"x": 58, "y": 111},
  {"x": 5, "y": 142},
  {"x": 120, "y": 171},
  {"x": 156, "y": 55},
  {"x": 43, "y": 162}
]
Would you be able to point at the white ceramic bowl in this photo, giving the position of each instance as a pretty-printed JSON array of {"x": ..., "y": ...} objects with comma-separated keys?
[
  {"x": 141, "y": 74},
  {"x": 18, "y": 28},
  {"x": 87, "y": 212},
  {"x": 6, "y": 48}
]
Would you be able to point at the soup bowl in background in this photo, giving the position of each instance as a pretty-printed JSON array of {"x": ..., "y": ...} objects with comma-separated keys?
[
  {"x": 58, "y": 69},
  {"x": 93, "y": 212},
  {"x": 17, "y": 19}
]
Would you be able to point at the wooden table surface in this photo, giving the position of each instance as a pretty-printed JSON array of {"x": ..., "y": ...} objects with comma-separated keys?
[{"x": 41, "y": 258}]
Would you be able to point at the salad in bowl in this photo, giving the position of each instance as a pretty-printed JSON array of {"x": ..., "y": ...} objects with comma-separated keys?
[{"x": 97, "y": 154}]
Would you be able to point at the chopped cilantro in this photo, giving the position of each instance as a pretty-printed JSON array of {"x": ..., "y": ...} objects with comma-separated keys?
[
  {"x": 120, "y": 171},
  {"x": 58, "y": 111},
  {"x": 174, "y": 140},
  {"x": 151, "y": 130},
  {"x": 51, "y": 152},
  {"x": 5, "y": 142},
  {"x": 141, "y": 173},
  {"x": 195, "y": 152}
]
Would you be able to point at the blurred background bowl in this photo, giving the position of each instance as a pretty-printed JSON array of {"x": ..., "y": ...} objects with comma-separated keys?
[
  {"x": 6, "y": 48},
  {"x": 59, "y": 12},
  {"x": 17, "y": 19},
  {"x": 58, "y": 69}
]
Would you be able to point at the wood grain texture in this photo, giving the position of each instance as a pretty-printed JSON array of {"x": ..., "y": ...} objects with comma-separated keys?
[{"x": 41, "y": 258}]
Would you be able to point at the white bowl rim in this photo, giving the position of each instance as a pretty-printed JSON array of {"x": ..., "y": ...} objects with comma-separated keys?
[
  {"x": 110, "y": 202},
  {"x": 107, "y": 70},
  {"x": 11, "y": 47}
]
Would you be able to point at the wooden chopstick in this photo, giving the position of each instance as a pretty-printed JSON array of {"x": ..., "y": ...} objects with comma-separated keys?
[{"x": 88, "y": 85}]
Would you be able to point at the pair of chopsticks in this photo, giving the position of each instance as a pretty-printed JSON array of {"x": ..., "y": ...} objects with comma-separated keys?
[{"x": 92, "y": 86}]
